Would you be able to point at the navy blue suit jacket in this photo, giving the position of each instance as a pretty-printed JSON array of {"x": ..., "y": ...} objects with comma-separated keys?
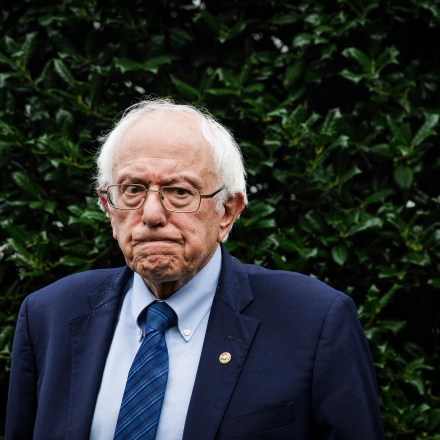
[{"x": 300, "y": 367}]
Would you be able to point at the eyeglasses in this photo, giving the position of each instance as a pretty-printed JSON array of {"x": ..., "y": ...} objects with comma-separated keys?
[{"x": 173, "y": 198}]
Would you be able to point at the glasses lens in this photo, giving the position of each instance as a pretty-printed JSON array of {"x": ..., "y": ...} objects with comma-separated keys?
[
  {"x": 180, "y": 199},
  {"x": 126, "y": 196}
]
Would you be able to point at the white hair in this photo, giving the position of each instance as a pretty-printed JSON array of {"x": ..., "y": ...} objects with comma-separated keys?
[{"x": 227, "y": 158}]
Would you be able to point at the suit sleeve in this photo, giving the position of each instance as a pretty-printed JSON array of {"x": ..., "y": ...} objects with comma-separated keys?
[
  {"x": 344, "y": 394},
  {"x": 22, "y": 397}
]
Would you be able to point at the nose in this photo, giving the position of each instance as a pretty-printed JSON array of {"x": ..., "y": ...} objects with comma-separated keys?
[{"x": 153, "y": 212}]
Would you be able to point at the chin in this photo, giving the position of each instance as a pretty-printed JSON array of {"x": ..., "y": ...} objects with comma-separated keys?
[{"x": 156, "y": 268}]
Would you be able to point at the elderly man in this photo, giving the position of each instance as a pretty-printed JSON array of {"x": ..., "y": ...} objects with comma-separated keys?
[{"x": 186, "y": 342}]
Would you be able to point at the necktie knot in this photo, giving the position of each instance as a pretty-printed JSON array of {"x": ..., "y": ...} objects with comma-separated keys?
[{"x": 160, "y": 317}]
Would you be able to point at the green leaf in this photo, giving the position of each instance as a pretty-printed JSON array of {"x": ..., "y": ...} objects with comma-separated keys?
[
  {"x": 354, "y": 77},
  {"x": 211, "y": 21},
  {"x": 45, "y": 205},
  {"x": 127, "y": 65},
  {"x": 64, "y": 72},
  {"x": 28, "y": 47},
  {"x": 293, "y": 72},
  {"x": 359, "y": 56},
  {"x": 153, "y": 64},
  {"x": 24, "y": 182},
  {"x": 303, "y": 39},
  {"x": 387, "y": 57},
  {"x": 427, "y": 129},
  {"x": 224, "y": 91},
  {"x": 403, "y": 176},
  {"x": 185, "y": 89},
  {"x": 17, "y": 233},
  {"x": 378, "y": 196},
  {"x": 395, "y": 326},
  {"x": 370, "y": 223},
  {"x": 339, "y": 254},
  {"x": 330, "y": 123},
  {"x": 349, "y": 174}
]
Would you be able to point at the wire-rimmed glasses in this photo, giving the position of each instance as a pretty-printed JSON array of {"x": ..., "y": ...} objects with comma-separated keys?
[{"x": 131, "y": 196}]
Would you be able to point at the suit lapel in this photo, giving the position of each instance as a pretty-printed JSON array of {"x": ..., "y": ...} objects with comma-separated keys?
[
  {"x": 91, "y": 333},
  {"x": 230, "y": 333}
]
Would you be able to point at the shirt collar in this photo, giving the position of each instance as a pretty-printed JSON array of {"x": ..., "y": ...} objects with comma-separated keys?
[{"x": 190, "y": 303}]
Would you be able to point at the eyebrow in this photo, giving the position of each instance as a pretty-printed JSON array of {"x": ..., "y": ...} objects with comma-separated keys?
[{"x": 170, "y": 181}]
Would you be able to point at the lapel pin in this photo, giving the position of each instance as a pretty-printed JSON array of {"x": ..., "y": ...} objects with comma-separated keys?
[{"x": 225, "y": 357}]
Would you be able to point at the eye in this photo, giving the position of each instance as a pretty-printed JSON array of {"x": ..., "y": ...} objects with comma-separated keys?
[
  {"x": 182, "y": 192},
  {"x": 177, "y": 191},
  {"x": 180, "y": 199},
  {"x": 132, "y": 190}
]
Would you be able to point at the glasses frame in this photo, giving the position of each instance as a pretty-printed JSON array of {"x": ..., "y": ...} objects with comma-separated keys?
[{"x": 106, "y": 193}]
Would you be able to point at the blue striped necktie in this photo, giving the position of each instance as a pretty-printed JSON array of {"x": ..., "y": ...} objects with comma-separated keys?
[{"x": 147, "y": 378}]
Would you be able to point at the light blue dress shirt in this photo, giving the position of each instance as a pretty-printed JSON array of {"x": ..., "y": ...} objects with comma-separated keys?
[{"x": 192, "y": 304}]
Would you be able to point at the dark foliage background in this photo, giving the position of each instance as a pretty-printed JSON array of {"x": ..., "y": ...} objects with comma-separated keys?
[{"x": 336, "y": 106}]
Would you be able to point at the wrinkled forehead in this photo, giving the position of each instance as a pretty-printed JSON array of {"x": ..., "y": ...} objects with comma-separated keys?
[{"x": 165, "y": 135}]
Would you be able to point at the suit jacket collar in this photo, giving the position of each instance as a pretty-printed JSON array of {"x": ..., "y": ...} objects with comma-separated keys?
[
  {"x": 91, "y": 333},
  {"x": 230, "y": 333}
]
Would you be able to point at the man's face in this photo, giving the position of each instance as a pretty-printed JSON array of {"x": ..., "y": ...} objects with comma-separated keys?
[{"x": 168, "y": 248}]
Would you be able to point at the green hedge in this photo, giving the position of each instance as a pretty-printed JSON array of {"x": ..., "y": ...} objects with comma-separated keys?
[{"x": 336, "y": 106}]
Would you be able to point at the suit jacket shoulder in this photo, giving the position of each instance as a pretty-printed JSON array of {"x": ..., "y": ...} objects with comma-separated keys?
[
  {"x": 291, "y": 284},
  {"x": 294, "y": 294},
  {"x": 78, "y": 287}
]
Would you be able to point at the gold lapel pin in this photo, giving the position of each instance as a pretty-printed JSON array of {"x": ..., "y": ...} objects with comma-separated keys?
[{"x": 225, "y": 357}]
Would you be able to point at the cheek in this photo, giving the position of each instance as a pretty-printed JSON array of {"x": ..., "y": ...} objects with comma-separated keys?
[
  {"x": 115, "y": 230},
  {"x": 202, "y": 234},
  {"x": 122, "y": 226}
]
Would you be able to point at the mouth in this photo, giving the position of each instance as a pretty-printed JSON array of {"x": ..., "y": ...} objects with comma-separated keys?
[{"x": 155, "y": 241}]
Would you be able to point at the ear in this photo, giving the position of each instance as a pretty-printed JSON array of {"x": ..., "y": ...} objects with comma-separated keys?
[
  {"x": 106, "y": 208},
  {"x": 230, "y": 211}
]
